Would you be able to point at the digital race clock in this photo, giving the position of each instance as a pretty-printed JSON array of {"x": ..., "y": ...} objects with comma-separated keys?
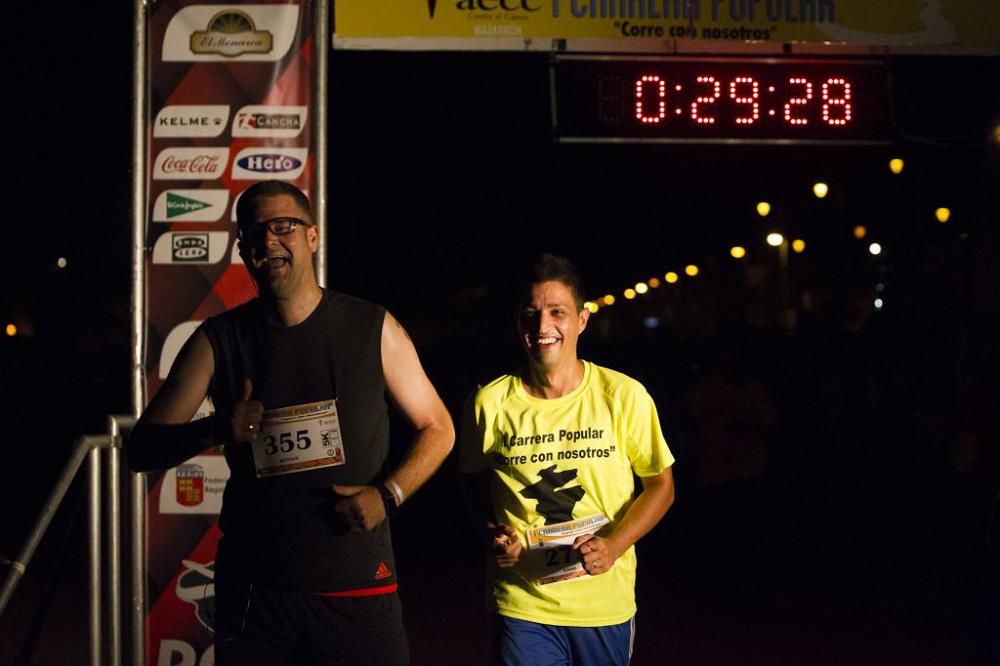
[{"x": 719, "y": 100}]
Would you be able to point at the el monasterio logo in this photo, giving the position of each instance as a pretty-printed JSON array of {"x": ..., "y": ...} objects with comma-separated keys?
[{"x": 231, "y": 33}]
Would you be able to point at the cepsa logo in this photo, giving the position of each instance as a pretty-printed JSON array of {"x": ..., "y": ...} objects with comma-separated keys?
[
  {"x": 190, "y": 163},
  {"x": 183, "y": 120},
  {"x": 272, "y": 121},
  {"x": 195, "y": 247},
  {"x": 227, "y": 33},
  {"x": 268, "y": 163}
]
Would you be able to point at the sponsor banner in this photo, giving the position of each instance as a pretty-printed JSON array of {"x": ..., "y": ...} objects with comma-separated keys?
[
  {"x": 191, "y": 247},
  {"x": 220, "y": 77},
  {"x": 256, "y": 120},
  {"x": 191, "y": 120},
  {"x": 507, "y": 24},
  {"x": 195, "y": 487},
  {"x": 190, "y": 205},
  {"x": 223, "y": 33},
  {"x": 269, "y": 163},
  {"x": 190, "y": 163}
]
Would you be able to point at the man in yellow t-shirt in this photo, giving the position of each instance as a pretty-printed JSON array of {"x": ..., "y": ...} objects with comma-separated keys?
[{"x": 552, "y": 451}]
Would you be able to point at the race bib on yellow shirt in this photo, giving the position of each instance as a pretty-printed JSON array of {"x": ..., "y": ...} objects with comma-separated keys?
[
  {"x": 551, "y": 558},
  {"x": 298, "y": 438}
]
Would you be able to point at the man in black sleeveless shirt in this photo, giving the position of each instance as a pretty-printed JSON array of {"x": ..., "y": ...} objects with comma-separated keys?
[{"x": 298, "y": 376}]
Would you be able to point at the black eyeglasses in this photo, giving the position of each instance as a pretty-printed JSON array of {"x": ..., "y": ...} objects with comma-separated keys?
[{"x": 279, "y": 226}]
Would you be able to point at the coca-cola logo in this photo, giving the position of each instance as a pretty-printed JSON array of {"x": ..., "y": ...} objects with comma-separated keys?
[
  {"x": 191, "y": 163},
  {"x": 199, "y": 164}
]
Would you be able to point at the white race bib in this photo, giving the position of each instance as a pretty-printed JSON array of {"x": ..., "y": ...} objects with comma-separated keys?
[
  {"x": 551, "y": 551},
  {"x": 298, "y": 439}
]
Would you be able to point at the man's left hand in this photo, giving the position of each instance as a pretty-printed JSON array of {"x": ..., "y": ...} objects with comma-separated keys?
[
  {"x": 597, "y": 554},
  {"x": 361, "y": 507}
]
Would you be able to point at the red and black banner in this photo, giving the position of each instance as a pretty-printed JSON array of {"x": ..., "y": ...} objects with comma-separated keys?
[{"x": 229, "y": 105}]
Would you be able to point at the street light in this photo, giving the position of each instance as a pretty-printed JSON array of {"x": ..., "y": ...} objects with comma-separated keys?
[
  {"x": 763, "y": 208},
  {"x": 896, "y": 165},
  {"x": 942, "y": 215},
  {"x": 671, "y": 277},
  {"x": 774, "y": 239},
  {"x": 820, "y": 190},
  {"x": 737, "y": 252}
]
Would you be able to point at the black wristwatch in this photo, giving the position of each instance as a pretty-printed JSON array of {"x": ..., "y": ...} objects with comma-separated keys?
[{"x": 388, "y": 499}]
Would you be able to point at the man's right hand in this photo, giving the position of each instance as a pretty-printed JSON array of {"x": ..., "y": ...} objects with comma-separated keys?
[
  {"x": 505, "y": 545},
  {"x": 246, "y": 415}
]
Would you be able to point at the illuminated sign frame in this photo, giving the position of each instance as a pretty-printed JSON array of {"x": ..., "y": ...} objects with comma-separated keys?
[{"x": 720, "y": 100}]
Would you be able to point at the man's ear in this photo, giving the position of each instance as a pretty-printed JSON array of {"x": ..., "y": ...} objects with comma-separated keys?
[
  {"x": 584, "y": 318},
  {"x": 312, "y": 236}
]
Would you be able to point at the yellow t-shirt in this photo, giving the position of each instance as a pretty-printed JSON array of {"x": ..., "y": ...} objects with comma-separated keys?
[{"x": 554, "y": 462}]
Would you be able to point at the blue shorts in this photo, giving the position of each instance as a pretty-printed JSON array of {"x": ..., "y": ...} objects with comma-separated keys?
[{"x": 522, "y": 643}]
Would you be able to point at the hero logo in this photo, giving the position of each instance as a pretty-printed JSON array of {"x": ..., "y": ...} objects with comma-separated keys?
[
  {"x": 190, "y": 163},
  {"x": 274, "y": 121},
  {"x": 190, "y": 120},
  {"x": 279, "y": 163}
]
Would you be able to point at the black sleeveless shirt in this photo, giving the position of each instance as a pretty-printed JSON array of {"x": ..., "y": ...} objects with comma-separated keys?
[{"x": 283, "y": 530}]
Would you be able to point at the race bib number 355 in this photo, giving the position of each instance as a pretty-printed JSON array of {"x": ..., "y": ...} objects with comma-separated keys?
[{"x": 298, "y": 438}]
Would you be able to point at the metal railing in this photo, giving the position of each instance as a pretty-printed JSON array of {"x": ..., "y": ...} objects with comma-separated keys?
[{"x": 102, "y": 453}]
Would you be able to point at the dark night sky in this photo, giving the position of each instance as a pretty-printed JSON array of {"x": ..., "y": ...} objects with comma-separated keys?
[
  {"x": 444, "y": 178},
  {"x": 448, "y": 159}
]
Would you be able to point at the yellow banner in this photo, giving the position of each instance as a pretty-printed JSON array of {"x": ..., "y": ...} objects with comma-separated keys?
[{"x": 936, "y": 25}]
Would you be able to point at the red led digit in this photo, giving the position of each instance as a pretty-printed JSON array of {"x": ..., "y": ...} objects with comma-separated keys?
[
  {"x": 831, "y": 114},
  {"x": 658, "y": 101},
  {"x": 716, "y": 94},
  {"x": 746, "y": 81},
  {"x": 807, "y": 94}
]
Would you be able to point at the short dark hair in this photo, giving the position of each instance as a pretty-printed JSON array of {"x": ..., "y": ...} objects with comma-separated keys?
[
  {"x": 265, "y": 190},
  {"x": 552, "y": 267}
]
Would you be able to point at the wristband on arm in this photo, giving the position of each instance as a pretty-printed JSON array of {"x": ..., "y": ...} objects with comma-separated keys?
[{"x": 389, "y": 500}]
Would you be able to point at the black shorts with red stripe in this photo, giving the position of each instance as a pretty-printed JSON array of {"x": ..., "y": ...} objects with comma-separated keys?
[{"x": 260, "y": 625}]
